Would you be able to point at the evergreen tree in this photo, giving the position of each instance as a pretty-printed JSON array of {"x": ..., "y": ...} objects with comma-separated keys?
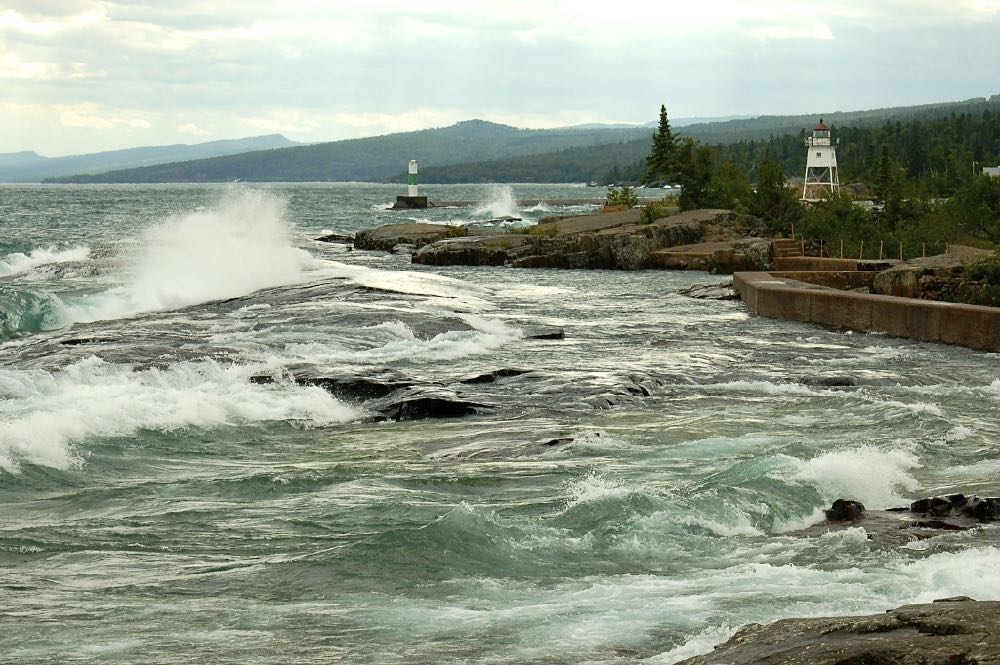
[
  {"x": 693, "y": 172},
  {"x": 660, "y": 164},
  {"x": 773, "y": 201}
]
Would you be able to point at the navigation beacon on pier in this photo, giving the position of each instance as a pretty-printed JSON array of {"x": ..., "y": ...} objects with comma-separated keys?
[{"x": 821, "y": 164}]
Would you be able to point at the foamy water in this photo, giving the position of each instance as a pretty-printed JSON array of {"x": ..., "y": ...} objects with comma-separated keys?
[
  {"x": 633, "y": 488},
  {"x": 238, "y": 246}
]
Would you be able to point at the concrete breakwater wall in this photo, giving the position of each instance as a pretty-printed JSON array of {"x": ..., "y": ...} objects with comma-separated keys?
[{"x": 775, "y": 296}]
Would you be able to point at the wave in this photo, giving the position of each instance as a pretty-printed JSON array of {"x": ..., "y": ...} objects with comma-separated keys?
[
  {"x": 42, "y": 414},
  {"x": 27, "y": 311},
  {"x": 500, "y": 202},
  {"x": 240, "y": 245},
  {"x": 866, "y": 474},
  {"x": 18, "y": 262},
  {"x": 486, "y": 335}
]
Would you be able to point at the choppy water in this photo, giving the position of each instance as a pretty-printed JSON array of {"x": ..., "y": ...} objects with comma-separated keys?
[{"x": 157, "y": 506}]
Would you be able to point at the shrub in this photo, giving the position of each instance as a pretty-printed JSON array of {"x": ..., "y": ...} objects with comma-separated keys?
[{"x": 621, "y": 196}]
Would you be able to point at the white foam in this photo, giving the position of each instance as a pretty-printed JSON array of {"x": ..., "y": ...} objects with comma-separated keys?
[
  {"x": 695, "y": 646},
  {"x": 866, "y": 474},
  {"x": 236, "y": 247},
  {"x": 485, "y": 336},
  {"x": 958, "y": 433},
  {"x": 44, "y": 413},
  {"x": 500, "y": 202},
  {"x": 594, "y": 487},
  {"x": 18, "y": 262},
  {"x": 765, "y": 388}
]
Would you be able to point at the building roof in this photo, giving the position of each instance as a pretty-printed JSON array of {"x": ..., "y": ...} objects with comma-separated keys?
[{"x": 821, "y": 127}]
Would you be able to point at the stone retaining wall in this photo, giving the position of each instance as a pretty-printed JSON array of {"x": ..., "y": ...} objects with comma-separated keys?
[{"x": 973, "y": 326}]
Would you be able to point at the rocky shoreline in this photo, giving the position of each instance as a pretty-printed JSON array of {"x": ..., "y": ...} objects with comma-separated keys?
[
  {"x": 948, "y": 631},
  {"x": 714, "y": 240}
]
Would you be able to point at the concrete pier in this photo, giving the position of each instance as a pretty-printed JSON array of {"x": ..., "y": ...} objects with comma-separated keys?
[{"x": 795, "y": 296}]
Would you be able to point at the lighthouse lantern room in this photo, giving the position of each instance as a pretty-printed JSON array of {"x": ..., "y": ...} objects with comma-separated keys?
[{"x": 821, "y": 165}]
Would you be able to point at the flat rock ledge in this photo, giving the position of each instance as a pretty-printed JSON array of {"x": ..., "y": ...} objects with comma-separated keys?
[
  {"x": 384, "y": 238},
  {"x": 950, "y": 631},
  {"x": 714, "y": 240}
]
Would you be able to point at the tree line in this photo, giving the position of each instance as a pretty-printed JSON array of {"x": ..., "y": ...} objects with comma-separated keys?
[{"x": 922, "y": 179}]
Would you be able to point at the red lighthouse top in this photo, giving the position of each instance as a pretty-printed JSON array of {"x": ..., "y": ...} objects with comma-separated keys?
[{"x": 821, "y": 127}]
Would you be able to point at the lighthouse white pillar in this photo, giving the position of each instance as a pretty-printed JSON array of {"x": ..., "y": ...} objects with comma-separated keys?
[{"x": 411, "y": 178}]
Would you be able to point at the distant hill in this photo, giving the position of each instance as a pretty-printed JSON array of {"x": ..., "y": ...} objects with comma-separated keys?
[
  {"x": 476, "y": 150},
  {"x": 372, "y": 159},
  {"x": 32, "y": 167}
]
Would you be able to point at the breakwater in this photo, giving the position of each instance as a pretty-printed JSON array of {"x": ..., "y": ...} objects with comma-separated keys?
[{"x": 784, "y": 296}]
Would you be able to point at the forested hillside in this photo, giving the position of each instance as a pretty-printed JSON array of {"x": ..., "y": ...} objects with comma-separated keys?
[
  {"x": 32, "y": 167},
  {"x": 931, "y": 139},
  {"x": 375, "y": 158}
]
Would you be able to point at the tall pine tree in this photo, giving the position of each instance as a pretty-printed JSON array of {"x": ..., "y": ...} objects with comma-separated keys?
[{"x": 660, "y": 164}]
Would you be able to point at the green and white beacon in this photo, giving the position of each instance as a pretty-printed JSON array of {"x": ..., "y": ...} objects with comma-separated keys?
[
  {"x": 412, "y": 199},
  {"x": 411, "y": 178}
]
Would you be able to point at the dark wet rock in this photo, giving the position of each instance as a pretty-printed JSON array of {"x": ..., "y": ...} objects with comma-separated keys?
[
  {"x": 338, "y": 238},
  {"x": 558, "y": 441},
  {"x": 386, "y": 237},
  {"x": 925, "y": 518},
  {"x": 983, "y": 509},
  {"x": 722, "y": 291},
  {"x": 341, "y": 384},
  {"x": 957, "y": 631},
  {"x": 845, "y": 510},
  {"x": 551, "y": 333},
  {"x": 78, "y": 341},
  {"x": 495, "y": 375},
  {"x": 835, "y": 381},
  {"x": 422, "y": 403}
]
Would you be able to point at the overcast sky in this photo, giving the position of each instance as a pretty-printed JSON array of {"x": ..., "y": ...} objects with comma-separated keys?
[{"x": 86, "y": 75}]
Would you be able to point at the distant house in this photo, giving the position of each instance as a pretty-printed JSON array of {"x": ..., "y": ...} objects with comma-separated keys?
[{"x": 992, "y": 171}]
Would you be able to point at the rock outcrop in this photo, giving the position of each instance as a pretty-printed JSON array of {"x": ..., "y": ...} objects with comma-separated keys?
[
  {"x": 940, "y": 277},
  {"x": 614, "y": 241},
  {"x": 384, "y": 238},
  {"x": 950, "y": 631},
  {"x": 923, "y": 518}
]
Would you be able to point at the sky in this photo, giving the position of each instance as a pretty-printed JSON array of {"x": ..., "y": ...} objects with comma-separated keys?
[{"x": 80, "y": 76}]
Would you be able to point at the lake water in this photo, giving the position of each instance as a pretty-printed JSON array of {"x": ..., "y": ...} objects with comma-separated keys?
[{"x": 158, "y": 506}]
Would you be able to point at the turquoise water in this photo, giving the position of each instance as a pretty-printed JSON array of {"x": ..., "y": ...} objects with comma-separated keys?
[{"x": 157, "y": 505}]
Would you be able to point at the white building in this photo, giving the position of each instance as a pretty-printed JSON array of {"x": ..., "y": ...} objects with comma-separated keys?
[{"x": 821, "y": 164}]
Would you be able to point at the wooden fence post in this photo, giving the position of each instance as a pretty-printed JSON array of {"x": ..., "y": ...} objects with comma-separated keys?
[
  {"x": 841, "y": 248},
  {"x": 881, "y": 246},
  {"x": 861, "y": 251},
  {"x": 900, "y": 250}
]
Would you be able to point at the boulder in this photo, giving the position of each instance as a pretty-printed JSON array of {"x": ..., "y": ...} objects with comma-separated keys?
[
  {"x": 495, "y": 375},
  {"x": 341, "y": 384},
  {"x": 422, "y": 403},
  {"x": 945, "y": 632},
  {"x": 384, "y": 238},
  {"x": 492, "y": 250},
  {"x": 336, "y": 238},
  {"x": 924, "y": 518},
  {"x": 940, "y": 277},
  {"x": 723, "y": 291},
  {"x": 725, "y": 257}
]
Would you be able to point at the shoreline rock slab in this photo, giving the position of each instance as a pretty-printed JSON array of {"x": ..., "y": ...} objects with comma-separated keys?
[
  {"x": 950, "y": 631},
  {"x": 384, "y": 238}
]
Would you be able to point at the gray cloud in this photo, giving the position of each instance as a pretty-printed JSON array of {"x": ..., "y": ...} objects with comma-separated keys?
[{"x": 84, "y": 75}]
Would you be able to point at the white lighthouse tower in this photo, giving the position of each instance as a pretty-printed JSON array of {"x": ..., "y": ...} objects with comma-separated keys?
[{"x": 821, "y": 164}]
